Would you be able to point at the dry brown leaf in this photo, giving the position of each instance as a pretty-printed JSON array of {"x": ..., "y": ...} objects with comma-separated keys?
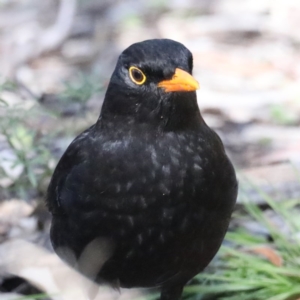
[{"x": 270, "y": 254}]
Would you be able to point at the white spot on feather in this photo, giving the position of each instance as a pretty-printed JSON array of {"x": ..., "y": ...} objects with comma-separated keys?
[
  {"x": 197, "y": 168},
  {"x": 174, "y": 151},
  {"x": 154, "y": 158},
  {"x": 174, "y": 160},
  {"x": 118, "y": 188},
  {"x": 166, "y": 170},
  {"x": 140, "y": 239},
  {"x": 128, "y": 185},
  {"x": 164, "y": 189}
]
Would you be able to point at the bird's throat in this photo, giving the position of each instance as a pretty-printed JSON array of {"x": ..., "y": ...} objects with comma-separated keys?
[{"x": 173, "y": 111}]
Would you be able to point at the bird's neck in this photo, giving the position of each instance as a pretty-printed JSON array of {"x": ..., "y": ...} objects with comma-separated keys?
[{"x": 174, "y": 112}]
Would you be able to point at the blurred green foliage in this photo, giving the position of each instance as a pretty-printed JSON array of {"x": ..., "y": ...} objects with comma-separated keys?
[
  {"x": 28, "y": 148},
  {"x": 81, "y": 88},
  {"x": 281, "y": 115}
]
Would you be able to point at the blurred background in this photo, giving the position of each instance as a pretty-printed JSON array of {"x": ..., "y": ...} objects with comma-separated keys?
[{"x": 56, "y": 58}]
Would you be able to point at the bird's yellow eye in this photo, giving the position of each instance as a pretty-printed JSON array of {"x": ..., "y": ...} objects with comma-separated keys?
[{"x": 136, "y": 75}]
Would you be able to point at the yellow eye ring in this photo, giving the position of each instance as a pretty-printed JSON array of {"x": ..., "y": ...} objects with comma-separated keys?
[{"x": 136, "y": 75}]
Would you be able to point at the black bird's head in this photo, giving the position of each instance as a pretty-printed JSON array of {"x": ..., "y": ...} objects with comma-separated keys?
[{"x": 153, "y": 83}]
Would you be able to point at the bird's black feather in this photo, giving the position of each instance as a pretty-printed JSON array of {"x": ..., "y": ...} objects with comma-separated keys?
[{"x": 150, "y": 179}]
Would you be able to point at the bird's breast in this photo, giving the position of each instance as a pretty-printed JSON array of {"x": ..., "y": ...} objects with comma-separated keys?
[{"x": 139, "y": 172}]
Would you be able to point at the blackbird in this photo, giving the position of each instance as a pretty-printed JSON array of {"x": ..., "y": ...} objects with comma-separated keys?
[{"x": 143, "y": 198}]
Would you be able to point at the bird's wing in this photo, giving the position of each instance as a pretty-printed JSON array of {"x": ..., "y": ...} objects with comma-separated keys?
[{"x": 72, "y": 160}]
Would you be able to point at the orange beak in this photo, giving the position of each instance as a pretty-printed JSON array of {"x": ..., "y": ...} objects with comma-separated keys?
[{"x": 181, "y": 81}]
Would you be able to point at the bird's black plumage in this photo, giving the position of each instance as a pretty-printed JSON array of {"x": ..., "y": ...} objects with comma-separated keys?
[{"x": 143, "y": 198}]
